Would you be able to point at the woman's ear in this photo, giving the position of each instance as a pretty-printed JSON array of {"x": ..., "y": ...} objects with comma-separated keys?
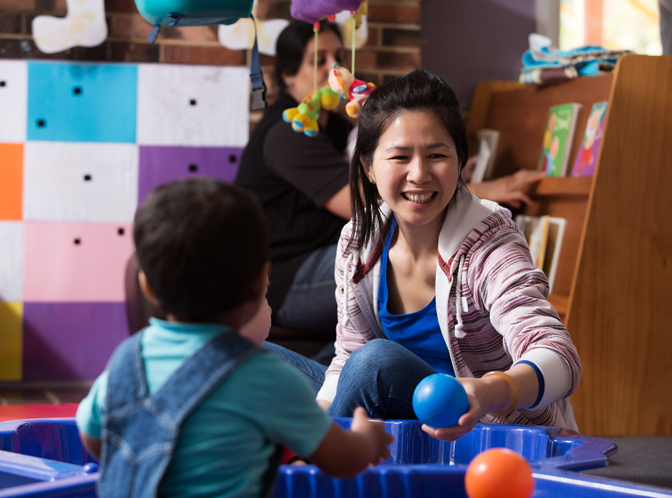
[{"x": 367, "y": 170}]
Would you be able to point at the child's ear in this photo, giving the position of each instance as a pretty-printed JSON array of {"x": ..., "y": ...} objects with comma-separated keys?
[
  {"x": 146, "y": 290},
  {"x": 260, "y": 283}
]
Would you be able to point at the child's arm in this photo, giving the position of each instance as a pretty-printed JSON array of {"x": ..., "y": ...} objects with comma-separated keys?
[
  {"x": 346, "y": 453},
  {"x": 92, "y": 444}
]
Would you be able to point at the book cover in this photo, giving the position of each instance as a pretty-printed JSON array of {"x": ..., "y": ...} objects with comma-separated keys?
[
  {"x": 556, "y": 230},
  {"x": 544, "y": 236},
  {"x": 535, "y": 229},
  {"x": 586, "y": 157},
  {"x": 488, "y": 141},
  {"x": 558, "y": 137}
]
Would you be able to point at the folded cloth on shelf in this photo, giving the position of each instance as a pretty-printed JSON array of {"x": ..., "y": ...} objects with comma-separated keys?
[
  {"x": 542, "y": 64},
  {"x": 548, "y": 75}
]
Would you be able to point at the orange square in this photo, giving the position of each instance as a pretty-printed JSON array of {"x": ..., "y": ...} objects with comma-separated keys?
[{"x": 11, "y": 181}]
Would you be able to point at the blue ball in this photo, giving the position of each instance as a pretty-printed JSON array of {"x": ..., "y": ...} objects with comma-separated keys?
[{"x": 439, "y": 400}]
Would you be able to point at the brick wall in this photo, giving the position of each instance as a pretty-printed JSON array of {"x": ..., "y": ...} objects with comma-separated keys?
[{"x": 393, "y": 46}]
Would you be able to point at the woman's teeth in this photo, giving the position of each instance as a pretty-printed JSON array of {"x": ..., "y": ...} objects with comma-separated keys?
[{"x": 419, "y": 198}]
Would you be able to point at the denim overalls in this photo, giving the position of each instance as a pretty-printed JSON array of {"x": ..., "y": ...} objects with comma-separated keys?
[{"x": 140, "y": 430}]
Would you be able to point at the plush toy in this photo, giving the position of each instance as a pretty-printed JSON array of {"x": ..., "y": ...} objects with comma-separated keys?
[
  {"x": 304, "y": 117},
  {"x": 353, "y": 91}
]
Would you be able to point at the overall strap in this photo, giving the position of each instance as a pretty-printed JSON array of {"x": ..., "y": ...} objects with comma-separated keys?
[
  {"x": 186, "y": 387},
  {"x": 126, "y": 375},
  {"x": 138, "y": 464}
]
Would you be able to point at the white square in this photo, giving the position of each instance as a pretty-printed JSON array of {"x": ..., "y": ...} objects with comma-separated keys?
[
  {"x": 68, "y": 181},
  {"x": 193, "y": 105},
  {"x": 11, "y": 262},
  {"x": 13, "y": 101}
]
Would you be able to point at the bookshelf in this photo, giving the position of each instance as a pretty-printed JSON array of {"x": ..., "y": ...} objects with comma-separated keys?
[{"x": 613, "y": 288}]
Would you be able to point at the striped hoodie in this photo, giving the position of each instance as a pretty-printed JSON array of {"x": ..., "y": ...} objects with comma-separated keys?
[{"x": 491, "y": 304}]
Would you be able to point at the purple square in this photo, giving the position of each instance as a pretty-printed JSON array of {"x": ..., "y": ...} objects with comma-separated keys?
[
  {"x": 159, "y": 165},
  {"x": 70, "y": 341}
]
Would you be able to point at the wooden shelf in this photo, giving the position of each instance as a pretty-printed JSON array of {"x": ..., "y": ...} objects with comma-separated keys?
[
  {"x": 559, "y": 303},
  {"x": 612, "y": 286},
  {"x": 563, "y": 186}
]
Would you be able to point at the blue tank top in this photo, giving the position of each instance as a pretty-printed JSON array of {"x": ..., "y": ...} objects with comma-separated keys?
[{"x": 418, "y": 332}]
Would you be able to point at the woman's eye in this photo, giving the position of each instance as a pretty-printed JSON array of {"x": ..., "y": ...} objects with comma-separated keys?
[
  {"x": 321, "y": 61},
  {"x": 436, "y": 156}
]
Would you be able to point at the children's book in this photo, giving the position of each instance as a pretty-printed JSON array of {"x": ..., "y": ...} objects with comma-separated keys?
[
  {"x": 555, "y": 232},
  {"x": 586, "y": 157},
  {"x": 544, "y": 237},
  {"x": 558, "y": 138},
  {"x": 488, "y": 141}
]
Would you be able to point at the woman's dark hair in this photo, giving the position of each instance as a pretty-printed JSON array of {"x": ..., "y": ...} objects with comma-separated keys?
[
  {"x": 418, "y": 90},
  {"x": 291, "y": 45},
  {"x": 201, "y": 243}
]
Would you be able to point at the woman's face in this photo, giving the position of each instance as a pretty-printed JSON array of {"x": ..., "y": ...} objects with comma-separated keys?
[
  {"x": 415, "y": 168},
  {"x": 329, "y": 48}
]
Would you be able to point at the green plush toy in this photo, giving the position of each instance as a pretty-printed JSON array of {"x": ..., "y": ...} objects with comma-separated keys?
[{"x": 304, "y": 117}]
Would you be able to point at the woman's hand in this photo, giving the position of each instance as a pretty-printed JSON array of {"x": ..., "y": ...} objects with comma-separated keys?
[
  {"x": 510, "y": 190},
  {"x": 485, "y": 395},
  {"x": 467, "y": 421}
]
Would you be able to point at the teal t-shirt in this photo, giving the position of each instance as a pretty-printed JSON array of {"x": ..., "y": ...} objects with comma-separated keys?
[{"x": 225, "y": 443}]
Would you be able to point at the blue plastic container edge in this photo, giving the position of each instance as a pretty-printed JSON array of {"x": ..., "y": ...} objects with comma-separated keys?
[{"x": 83, "y": 486}]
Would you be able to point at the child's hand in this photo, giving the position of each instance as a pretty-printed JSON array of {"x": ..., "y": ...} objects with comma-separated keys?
[
  {"x": 375, "y": 432},
  {"x": 345, "y": 453}
]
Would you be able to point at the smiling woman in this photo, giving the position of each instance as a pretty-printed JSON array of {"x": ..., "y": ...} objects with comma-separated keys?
[{"x": 432, "y": 279}]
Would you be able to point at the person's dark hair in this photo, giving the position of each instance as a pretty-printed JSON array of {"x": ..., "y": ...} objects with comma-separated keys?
[
  {"x": 291, "y": 45},
  {"x": 418, "y": 90},
  {"x": 201, "y": 243}
]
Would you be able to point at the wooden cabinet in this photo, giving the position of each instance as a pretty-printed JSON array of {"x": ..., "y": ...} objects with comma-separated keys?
[{"x": 614, "y": 283}]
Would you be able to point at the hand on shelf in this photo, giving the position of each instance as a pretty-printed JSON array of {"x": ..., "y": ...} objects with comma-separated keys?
[{"x": 510, "y": 190}]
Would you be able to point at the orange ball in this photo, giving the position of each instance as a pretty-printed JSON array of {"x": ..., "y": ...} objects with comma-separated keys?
[{"x": 499, "y": 473}]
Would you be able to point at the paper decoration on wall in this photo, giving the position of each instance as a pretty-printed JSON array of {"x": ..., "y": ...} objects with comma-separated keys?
[
  {"x": 240, "y": 35},
  {"x": 344, "y": 21},
  {"x": 83, "y": 26}
]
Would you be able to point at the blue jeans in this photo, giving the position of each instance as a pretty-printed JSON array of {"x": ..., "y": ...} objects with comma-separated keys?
[
  {"x": 310, "y": 303},
  {"x": 380, "y": 376}
]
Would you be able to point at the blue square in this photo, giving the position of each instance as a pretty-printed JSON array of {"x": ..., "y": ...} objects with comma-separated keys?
[{"x": 70, "y": 102}]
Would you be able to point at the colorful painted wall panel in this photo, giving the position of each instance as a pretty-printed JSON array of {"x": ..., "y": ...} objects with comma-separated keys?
[
  {"x": 70, "y": 341},
  {"x": 73, "y": 166},
  {"x": 74, "y": 262},
  {"x": 13, "y": 96},
  {"x": 205, "y": 106},
  {"x": 11, "y": 261},
  {"x": 11, "y": 340},
  {"x": 11, "y": 181},
  {"x": 81, "y": 102},
  {"x": 80, "y": 181},
  {"x": 159, "y": 165}
]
